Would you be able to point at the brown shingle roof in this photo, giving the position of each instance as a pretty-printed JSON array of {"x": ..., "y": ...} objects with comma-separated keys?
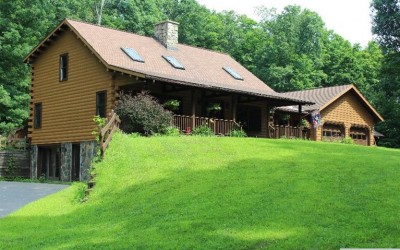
[
  {"x": 323, "y": 97},
  {"x": 203, "y": 68}
]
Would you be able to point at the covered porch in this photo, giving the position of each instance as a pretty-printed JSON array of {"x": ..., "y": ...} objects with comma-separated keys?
[{"x": 221, "y": 109}]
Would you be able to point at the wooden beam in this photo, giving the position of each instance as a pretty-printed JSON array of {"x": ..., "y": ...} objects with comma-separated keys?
[
  {"x": 216, "y": 95},
  {"x": 193, "y": 95},
  {"x": 174, "y": 89},
  {"x": 300, "y": 109},
  {"x": 234, "y": 107},
  {"x": 251, "y": 99}
]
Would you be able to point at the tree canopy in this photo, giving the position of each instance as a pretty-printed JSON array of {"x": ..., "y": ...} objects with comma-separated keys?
[{"x": 386, "y": 26}]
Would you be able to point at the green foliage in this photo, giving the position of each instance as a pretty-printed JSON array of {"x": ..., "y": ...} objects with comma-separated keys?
[
  {"x": 143, "y": 113},
  {"x": 348, "y": 140},
  {"x": 172, "y": 131},
  {"x": 221, "y": 193},
  {"x": 237, "y": 133},
  {"x": 304, "y": 123},
  {"x": 213, "y": 108},
  {"x": 386, "y": 23},
  {"x": 100, "y": 122},
  {"x": 172, "y": 104},
  {"x": 11, "y": 168},
  {"x": 42, "y": 178},
  {"x": 202, "y": 130},
  {"x": 80, "y": 192}
]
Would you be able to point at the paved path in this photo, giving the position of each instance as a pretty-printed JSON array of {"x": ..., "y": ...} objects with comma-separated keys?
[{"x": 14, "y": 195}]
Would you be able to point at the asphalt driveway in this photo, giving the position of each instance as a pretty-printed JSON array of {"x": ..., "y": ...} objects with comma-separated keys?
[{"x": 14, "y": 195}]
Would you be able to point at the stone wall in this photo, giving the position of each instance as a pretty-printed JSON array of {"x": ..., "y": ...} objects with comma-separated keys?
[
  {"x": 21, "y": 159},
  {"x": 87, "y": 153}
]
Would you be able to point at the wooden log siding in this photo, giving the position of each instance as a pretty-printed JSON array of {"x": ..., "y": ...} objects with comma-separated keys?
[{"x": 68, "y": 106}]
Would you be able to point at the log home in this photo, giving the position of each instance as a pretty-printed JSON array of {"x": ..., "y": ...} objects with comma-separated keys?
[{"x": 79, "y": 69}]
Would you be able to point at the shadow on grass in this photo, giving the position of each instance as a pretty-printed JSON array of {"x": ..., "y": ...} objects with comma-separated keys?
[{"x": 247, "y": 204}]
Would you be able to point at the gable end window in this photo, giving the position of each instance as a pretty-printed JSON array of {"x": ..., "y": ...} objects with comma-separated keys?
[
  {"x": 101, "y": 103},
  {"x": 63, "y": 67},
  {"x": 38, "y": 116}
]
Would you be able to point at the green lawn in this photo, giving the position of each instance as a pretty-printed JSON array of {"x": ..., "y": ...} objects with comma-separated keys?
[{"x": 227, "y": 193}]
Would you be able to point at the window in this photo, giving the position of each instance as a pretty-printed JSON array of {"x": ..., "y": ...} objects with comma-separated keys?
[
  {"x": 174, "y": 62},
  {"x": 101, "y": 104},
  {"x": 233, "y": 73},
  {"x": 133, "y": 54},
  {"x": 38, "y": 116},
  {"x": 63, "y": 67}
]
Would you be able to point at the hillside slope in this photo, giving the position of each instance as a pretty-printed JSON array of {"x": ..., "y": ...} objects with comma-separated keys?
[{"x": 228, "y": 193}]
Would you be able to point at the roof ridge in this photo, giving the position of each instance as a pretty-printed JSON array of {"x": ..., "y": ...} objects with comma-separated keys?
[
  {"x": 105, "y": 27},
  {"x": 151, "y": 37}
]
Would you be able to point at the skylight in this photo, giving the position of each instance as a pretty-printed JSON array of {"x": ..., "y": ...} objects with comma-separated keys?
[
  {"x": 133, "y": 54},
  {"x": 175, "y": 63},
  {"x": 233, "y": 73}
]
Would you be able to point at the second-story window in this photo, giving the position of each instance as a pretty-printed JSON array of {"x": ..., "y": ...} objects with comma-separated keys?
[
  {"x": 101, "y": 103},
  {"x": 63, "y": 67},
  {"x": 37, "y": 122}
]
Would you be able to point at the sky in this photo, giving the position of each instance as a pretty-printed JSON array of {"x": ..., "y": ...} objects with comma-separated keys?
[{"x": 349, "y": 18}]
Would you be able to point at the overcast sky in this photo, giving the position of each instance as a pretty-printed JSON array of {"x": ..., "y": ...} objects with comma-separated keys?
[{"x": 349, "y": 18}]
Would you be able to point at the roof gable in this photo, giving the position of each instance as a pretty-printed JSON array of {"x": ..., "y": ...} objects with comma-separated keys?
[
  {"x": 323, "y": 97},
  {"x": 203, "y": 68}
]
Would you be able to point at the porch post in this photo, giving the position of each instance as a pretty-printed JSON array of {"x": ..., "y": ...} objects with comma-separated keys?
[
  {"x": 193, "y": 94},
  {"x": 34, "y": 161},
  {"x": 66, "y": 161},
  {"x": 268, "y": 119},
  {"x": 234, "y": 107}
]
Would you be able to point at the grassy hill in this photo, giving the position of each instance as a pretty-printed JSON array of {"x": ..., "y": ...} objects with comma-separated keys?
[{"x": 227, "y": 193}]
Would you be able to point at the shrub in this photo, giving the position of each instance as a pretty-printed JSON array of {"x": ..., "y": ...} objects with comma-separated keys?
[
  {"x": 237, "y": 133},
  {"x": 143, "y": 113},
  {"x": 172, "y": 131},
  {"x": 347, "y": 140},
  {"x": 203, "y": 130}
]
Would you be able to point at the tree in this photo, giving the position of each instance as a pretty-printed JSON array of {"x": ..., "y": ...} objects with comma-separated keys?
[{"x": 386, "y": 26}]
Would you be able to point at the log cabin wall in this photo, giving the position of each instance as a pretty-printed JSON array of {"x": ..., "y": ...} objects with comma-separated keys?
[
  {"x": 347, "y": 110},
  {"x": 68, "y": 106}
]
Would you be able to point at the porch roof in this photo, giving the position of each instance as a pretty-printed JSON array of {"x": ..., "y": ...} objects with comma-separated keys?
[{"x": 202, "y": 68}]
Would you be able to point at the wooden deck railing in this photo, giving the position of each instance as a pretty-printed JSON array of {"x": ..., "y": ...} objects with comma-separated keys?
[
  {"x": 106, "y": 132},
  {"x": 280, "y": 131},
  {"x": 218, "y": 126}
]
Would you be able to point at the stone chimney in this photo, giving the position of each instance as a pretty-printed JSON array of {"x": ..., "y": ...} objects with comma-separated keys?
[{"x": 166, "y": 33}]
